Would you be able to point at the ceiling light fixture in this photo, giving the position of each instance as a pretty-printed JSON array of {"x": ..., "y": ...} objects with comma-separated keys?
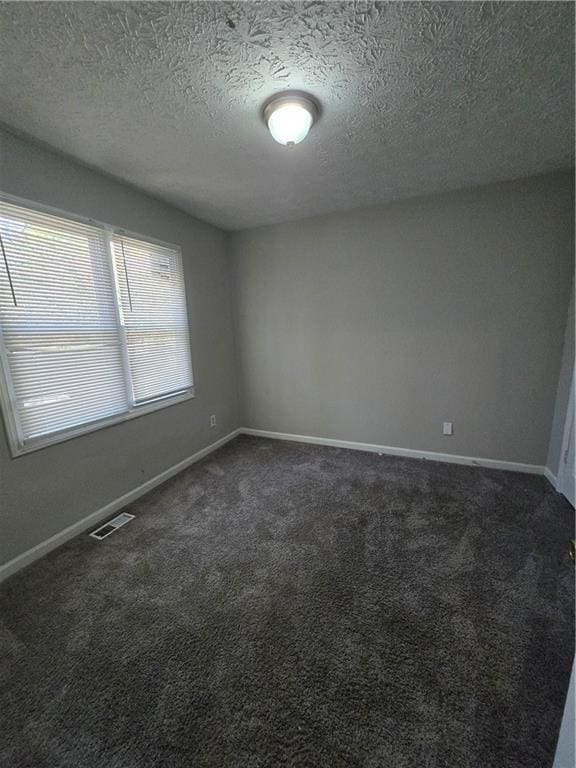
[{"x": 290, "y": 115}]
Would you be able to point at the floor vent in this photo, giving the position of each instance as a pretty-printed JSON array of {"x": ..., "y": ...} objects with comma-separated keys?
[{"x": 111, "y": 526}]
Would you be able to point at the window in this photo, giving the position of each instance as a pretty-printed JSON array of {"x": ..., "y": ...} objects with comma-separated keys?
[{"x": 93, "y": 326}]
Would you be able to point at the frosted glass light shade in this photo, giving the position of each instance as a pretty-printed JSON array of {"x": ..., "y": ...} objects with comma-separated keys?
[
  {"x": 289, "y": 118},
  {"x": 290, "y": 123}
]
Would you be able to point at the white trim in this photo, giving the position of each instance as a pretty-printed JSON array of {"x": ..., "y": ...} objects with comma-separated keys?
[
  {"x": 566, "y": 475},
  {"x": 511, "y": 466},
  {"x": 118, "y": 316},
  {"x": 565, "y": 746},
  {"x": 73, "y": 530},
  {"x": 552, "y": 479},
  {"x": 52, "y": 438}
]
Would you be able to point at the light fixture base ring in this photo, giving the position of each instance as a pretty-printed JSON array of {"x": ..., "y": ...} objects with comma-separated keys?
[{"x": 287, "y": 97}]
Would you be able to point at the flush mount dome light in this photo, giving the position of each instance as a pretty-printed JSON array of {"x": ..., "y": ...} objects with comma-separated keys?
[{"x": 290, "y": 115}]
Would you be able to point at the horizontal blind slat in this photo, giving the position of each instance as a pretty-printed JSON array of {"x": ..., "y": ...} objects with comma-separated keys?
[
  {"x": 154, "y": 314},
  {"x": 68, "y": 353},
  {"x": 61, "y": 341}
]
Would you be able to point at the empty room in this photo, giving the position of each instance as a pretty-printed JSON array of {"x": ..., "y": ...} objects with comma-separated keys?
[{"x": 287, "y": 465}]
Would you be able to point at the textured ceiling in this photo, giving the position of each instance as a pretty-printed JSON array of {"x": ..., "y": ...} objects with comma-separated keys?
[{"x": 416, "y": 97}]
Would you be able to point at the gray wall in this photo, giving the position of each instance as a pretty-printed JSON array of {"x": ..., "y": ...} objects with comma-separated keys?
[
  {"x": 562, "y": 394},
  {"x": 379, "y": 324},
  {"x": 43, "y": 492},
  {"x": 375, "y": 326}
]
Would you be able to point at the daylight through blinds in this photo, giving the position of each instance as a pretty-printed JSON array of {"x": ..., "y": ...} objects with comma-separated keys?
[{"x": 93, "y": 324}]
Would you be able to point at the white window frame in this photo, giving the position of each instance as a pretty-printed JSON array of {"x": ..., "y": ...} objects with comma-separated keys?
[{"x": 20, "y": 447}]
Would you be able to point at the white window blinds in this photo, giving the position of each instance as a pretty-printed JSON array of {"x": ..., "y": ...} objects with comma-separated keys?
[
  {"x": 93, "y": 326},
  {"x": 153, "y": 306}
]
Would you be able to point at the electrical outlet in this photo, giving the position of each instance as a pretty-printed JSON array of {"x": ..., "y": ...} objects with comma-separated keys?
[
  {"x": 448, "y": 428},
  {"x": 212, "y": 421}
]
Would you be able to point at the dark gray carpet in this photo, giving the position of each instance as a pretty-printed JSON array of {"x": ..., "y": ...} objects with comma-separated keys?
[{"x": 292, "y": 605}]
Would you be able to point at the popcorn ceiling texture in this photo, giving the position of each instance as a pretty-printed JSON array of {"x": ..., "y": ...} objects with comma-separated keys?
[{"x": 417, "y": 97}]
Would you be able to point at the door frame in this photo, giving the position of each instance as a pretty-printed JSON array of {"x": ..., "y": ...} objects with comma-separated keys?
[{"x": 565, "y": 480}]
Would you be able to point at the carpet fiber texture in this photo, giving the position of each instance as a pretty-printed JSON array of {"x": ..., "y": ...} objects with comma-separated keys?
[{"x": 281, "y": 604}]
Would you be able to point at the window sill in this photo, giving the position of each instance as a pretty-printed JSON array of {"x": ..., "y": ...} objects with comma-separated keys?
[{"x": 37, "y": 444}]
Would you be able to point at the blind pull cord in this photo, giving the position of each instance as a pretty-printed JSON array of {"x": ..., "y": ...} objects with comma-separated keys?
[
  {"x": 126, "y": 275},
  {"x": 8, "y": 271}
]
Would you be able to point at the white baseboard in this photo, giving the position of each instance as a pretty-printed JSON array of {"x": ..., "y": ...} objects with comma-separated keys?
[
  {"x": 552, "y": 479},
  {"x": 44, "y": 547},
  {"x": 12, "y": 566},
  {"x": 511, "y": 466}
]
